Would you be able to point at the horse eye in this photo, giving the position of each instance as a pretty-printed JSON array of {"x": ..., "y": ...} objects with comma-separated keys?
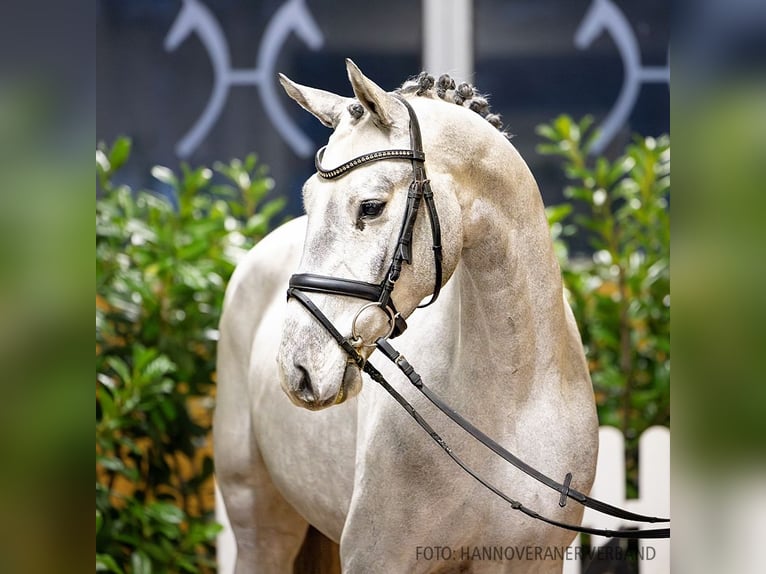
[{"x": 371, "y": 208}]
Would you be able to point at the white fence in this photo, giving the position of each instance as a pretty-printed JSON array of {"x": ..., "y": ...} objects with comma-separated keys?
[
  {"x": 653, "y": 490},
  {"x": 654, "y": 500}
]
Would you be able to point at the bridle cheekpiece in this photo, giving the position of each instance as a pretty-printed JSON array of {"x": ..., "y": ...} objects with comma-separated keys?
[{"x": 380, "y": 293}]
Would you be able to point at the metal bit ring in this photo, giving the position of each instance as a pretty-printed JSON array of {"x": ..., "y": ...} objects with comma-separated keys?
[{"x": 357, "y": 339}]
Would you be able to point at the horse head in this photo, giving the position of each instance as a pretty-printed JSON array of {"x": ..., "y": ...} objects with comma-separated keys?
[{"x": 354, "y": 223}]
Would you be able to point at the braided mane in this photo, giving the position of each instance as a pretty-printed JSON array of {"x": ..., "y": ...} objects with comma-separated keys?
[{"x": 462, "y": 94}]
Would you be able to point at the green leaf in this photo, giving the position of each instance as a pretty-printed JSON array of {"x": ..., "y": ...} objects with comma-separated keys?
[
  {"x": 111, "y": 463},
  {"x": 186, "y": 565},
  {"x": 547, "y": 132},
  {"x": 586, "y": 123},
  {"x": 563, "y": 125},
  {"x": 103, "y": 166},
  {"x": 621, "y": 167},
  {"x": 104, "y": 398},
  {"x": 212, "y": 529},
  {"x": 165, "y": 175},
  {"x": 140, "y": 562},
  {"x": 578, "y": 172},
  {"x": 271, "y": 208},
  {"x": 197, "y": 179},
  {"x": 195, "y": 249},
  {"x": 120, "y": 367},
  {"x": 550, "y": 149},
  {"x": 166, "y": 512},
  {"x": 168, "y": 409},
  {"x": 159, "y": 367},
  {"x": 106, "y": 563},
  {"x": 203, "y": 532},
  {"x": 142, "y": 356},
  {"x": 192, "y": 276},
  {"x": 581, "y": 193},
  {"x": 250, "y": 161},
  {"x": 602, "y": 172},
  {"x": 119, "y": 153},
  {"x": 557, "y": 213}
]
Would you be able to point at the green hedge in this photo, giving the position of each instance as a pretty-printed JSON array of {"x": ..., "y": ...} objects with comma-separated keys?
[
  {"x": 621, "y": 294},
  {"x": 161, "y": 268}
]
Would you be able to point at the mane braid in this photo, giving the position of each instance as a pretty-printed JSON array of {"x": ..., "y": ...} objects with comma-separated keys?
[{"x": 463, "y": 94}]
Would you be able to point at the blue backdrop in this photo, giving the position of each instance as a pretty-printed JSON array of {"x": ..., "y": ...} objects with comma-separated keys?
[{"x": 161, "y": 62}]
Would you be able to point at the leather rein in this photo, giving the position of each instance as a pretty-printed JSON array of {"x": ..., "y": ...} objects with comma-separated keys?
[{"x": 379, "y": 294}]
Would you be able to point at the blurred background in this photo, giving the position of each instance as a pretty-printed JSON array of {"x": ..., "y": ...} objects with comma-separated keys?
[{"x": 164, "y": 64}]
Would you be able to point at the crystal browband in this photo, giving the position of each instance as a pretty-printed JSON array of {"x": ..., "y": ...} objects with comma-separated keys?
[{"x": 409, "y": 154}]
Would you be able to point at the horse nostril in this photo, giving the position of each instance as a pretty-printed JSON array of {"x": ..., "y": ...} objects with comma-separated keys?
[{"x": 304, "y": 390}]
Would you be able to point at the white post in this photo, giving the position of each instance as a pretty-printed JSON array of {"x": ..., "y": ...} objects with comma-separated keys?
[
  {"x": 654, "y": 494},
  {"x": 448, "y": 38},
  {"x": 226, "y": 545}
]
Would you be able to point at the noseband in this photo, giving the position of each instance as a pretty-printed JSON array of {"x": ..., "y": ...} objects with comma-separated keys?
[
  {"x": 419, "y": 191},
  {"x": 379, "y": 295}
]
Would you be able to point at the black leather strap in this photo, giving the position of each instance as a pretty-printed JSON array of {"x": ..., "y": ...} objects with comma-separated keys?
[
  {"x": 420, "y": 190},
  {"x": 410, "y": 154},
  {"x": 516, "y": 505},
  {"x": 335, "y": 286},
  {"x": 421, "y": 178},
  {"x": 436, "y": 234},
  {"x": 398, "y": 359},
  {"x": 394, "y": 356},
  {"x": 415, "y": 379},
  {"x": 344, "y": 343},
  {"x": 347, "y": 288}
]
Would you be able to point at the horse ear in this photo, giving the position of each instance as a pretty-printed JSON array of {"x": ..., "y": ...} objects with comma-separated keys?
[
  {"x": 377, "y": 101},
  {"x": 326, "y": 106}
]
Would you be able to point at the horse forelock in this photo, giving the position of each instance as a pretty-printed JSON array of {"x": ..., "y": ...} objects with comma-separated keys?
[{"x": 463, "y": 94}]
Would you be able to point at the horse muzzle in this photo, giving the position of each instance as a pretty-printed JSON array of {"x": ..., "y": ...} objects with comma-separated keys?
[
  {"x": 314, "y": 372},
  {"x": 305, "y": 393}
]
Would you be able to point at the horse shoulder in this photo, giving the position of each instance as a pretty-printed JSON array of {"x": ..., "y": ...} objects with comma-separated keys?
[{"x": 267, "y": 528}]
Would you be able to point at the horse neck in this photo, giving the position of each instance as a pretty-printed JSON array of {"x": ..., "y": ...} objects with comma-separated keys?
[{"x": 512, "y": 312}]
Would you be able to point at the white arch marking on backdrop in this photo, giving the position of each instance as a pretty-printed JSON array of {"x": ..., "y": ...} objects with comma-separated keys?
[
  {"x": 292, "y": 16},
  {"x": 604, "y": 15}
]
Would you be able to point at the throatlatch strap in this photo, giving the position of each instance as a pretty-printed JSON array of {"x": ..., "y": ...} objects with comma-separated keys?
[{"x": 436, "y": 234}]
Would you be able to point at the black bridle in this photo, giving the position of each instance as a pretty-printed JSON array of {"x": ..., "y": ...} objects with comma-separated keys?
[
  {"x": 379, "y": 294},
  {"x": 420, "y": 190}
]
